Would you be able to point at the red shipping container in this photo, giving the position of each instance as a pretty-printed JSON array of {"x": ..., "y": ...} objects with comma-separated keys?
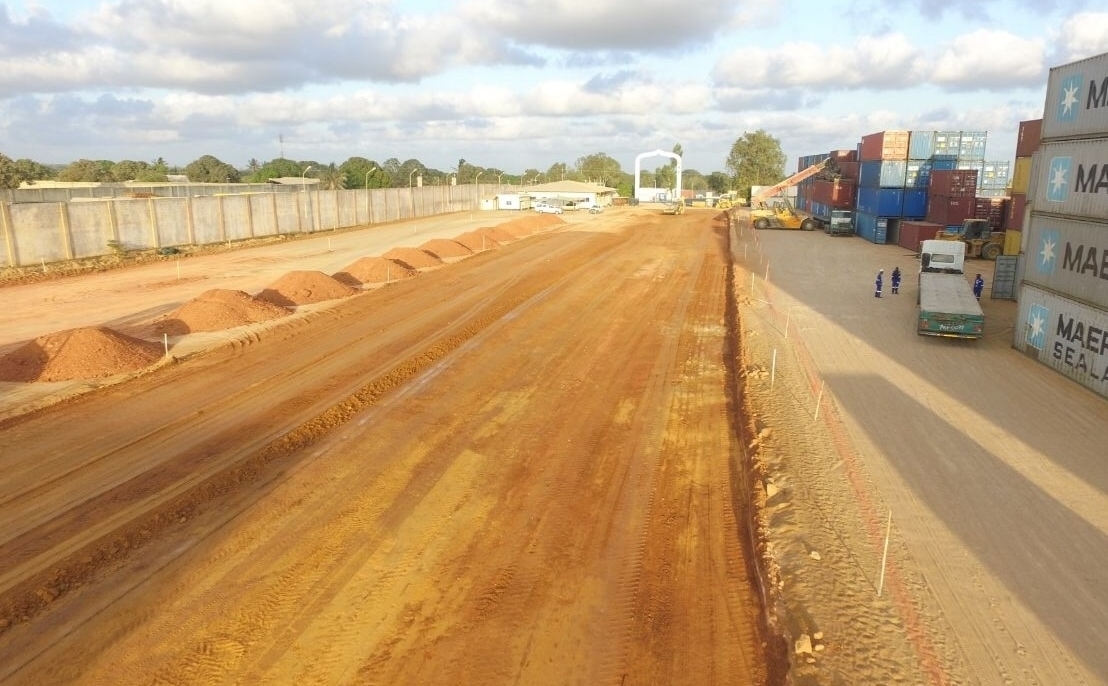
[
  {"x": 949, "y": 211},
  {"x": 841, "y": 156},
  {"x": 838, "y": 194},
  {"x": 1028, "y": 138},
  {"x": 953, "y": 183},
  {"x": 1017, "y": 206},
  {"x": 992, "y": 210},
  {"x": 849, "y": 169},
  {"x": 912, "y": 232},
  {"x": 884, "y": 145}
]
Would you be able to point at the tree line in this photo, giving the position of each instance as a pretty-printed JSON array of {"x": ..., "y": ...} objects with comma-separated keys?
[{"x": 754, "y": 159}]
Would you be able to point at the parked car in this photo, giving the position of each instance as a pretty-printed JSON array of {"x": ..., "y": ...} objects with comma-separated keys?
[
  {"x": 544, "y": 208},
  {"x": 596, "y": 209}
]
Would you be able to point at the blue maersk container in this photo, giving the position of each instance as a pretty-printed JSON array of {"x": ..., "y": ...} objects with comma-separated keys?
[{"x": 882, "y": 202}]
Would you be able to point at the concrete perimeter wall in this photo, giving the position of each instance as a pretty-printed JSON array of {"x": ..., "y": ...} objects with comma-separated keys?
[{"x": 44, "y": 232}]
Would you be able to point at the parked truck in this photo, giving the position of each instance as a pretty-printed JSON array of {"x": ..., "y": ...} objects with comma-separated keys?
[{"x": 947, "y": 305}]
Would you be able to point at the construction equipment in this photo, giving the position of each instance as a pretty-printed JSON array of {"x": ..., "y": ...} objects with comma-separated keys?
[
  {"x": 781, "y": 215},
  {"x": 981, "y": 241},
  {"x": 675, "y": 207},
  {"x": 757, "y": 199},
  {"x": 724, "y": 204}
]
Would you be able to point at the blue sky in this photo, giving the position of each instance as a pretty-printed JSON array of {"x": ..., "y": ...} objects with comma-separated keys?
[{"x": 520, "y": 84}]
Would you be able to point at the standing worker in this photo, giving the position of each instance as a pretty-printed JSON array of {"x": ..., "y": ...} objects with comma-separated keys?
[
  {"x": 978, "y": 286},
  {"x": 896, "y": 280},
  {"x": 877, "y": 283}
]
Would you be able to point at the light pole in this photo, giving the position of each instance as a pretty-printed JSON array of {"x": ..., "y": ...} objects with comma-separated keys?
[
  {"x": 371, "y": 170},
  {"x": 410, "y": 176},
  {"x": 477, "y": 179},
  {"x": 498, "y": 177},
  {"x": 304, "y": 174}
]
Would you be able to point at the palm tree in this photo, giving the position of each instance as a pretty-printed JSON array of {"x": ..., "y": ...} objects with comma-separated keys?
[{"x": 331, "y": 179}]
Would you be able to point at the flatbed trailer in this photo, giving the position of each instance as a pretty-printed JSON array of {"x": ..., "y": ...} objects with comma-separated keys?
[{"x": 947, "y": 307}]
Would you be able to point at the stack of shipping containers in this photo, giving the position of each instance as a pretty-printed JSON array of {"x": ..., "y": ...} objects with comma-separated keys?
[
  {"x": 1063, "y": 300},
  {"x": 1027, "y": 142},
  {"x": 818, "y": 195},
  {"x": 882, "y": 173}
]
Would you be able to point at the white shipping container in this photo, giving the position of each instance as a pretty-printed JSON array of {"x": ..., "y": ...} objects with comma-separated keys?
[
  {"x": 1065, "y": 335},
  {"x": 1068, "y": 256},
  {"x": 1071, "y": 178},
  {"x": 1077, "y": 99}
]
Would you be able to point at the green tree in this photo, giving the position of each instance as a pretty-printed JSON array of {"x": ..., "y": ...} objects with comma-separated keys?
[
  {"x": 278, "y": 168},
  {"x": 600, "y": 168},
  {"x": 557, "y": 172},
  {"x": 9, "y": 174},
  {"x": 362, "y": 173},
  {"x": 331, "y": 178},
  {"x": 718, "y": 182},
  {"x": 209, "y": 169},
  {"x": 756, "y": 159},
  {"x": 87, "y": 170}
]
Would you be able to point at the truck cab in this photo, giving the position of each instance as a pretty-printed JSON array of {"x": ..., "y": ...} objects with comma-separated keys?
[{"x": 942, "y": 257}]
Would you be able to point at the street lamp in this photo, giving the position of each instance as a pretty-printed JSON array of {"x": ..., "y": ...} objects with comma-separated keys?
[
  {"x": 477, "y": 179},
  {"x": 498, "y": 177},
  {"x": 303, "y": 174},
  {"x": 410, "y": 176},
  {"x": 372, "y": 169}
]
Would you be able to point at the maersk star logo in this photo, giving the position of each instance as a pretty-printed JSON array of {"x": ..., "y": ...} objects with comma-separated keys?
[
  {"x": 1048, "y": 251},
  {"x": 1037, "y": 317},
  {"x": 1057, "y": 184},
  {"x": 1070, "y": 97}
]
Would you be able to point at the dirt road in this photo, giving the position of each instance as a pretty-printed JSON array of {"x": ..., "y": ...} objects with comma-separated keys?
[{"x": 518, "y": 468}]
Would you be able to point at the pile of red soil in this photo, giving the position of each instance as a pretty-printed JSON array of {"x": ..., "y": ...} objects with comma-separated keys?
[
  {"x": 216, "y": 310},
  {"x": 76, "y": 354},
  {"x": 413, "y": 258},
  {"x": 481, "y": 239},
  {"x": 305, "y": 288},
  {"x": 374, "y": 270},
  {"x": 531, "y": 223},
  {"x": 444, "y": 248}
]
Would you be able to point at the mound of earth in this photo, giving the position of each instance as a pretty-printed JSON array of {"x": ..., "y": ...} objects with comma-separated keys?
[
  {"x": 374, "y": 270},
  {"x": 481, "y": 239},
  {"x": 219, "y": 309},
  {"x": 531, "y": 223},
  {"x": 444, "y": 248},
  {"x": 497, "y": 233},
  {"x": 413, "y": 258},
  {"x": 76, "y": 354},
  {"x": 305, "y": 288}
]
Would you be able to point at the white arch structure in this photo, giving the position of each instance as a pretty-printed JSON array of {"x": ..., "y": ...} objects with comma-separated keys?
[{"x": 657, "y": 153}]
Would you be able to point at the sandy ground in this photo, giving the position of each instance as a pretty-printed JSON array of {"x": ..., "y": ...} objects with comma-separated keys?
[
  {"x": 538, "y": 464},
  {"x": 516, "y": 468}
]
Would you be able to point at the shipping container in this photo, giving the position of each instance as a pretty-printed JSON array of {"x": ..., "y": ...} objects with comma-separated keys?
[
  {"x": 948, "y": 143},
  {"x": 836, "y": 194},
  {"x": 921, "y": 145},
  {"x": 1077, "y": 99},
  {"x": 971, "y": 144},
  {"x": 917, "y": 174},
  {"x": 973, "y": 164},
  {"x": 995, "y": 174},
  {"x": 944, "y": 162},
  {"x": 885, "y": 202},
  {"x": 1028, "y": 138},
  {"x": 1067, "y": 336},
  {"x": 1013, "y": 217},
  {"x": 882, "y": 173},
  {"x": 1071, "y": 178},
  {"x": 913, "y": 231},
  {"x": 849, "y": 169},
  {"x": 915, "y": 203},
  {"x": 943, "y": 209},
  {"x": 872, "y": 227},
  {"x": 993, "y": 192},
  {"x": 1068, "y": 256},
  {"x": 954, "y": 182},
  {"x": 844, "y": 155},
  {"x": 992, "y": 210},
  {"x": 1021, "y": 175},
  {"x": 884, "y": 145}
]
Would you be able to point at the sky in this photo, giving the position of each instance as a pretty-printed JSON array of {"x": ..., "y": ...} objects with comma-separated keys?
[{"x": 519, "y": 84}]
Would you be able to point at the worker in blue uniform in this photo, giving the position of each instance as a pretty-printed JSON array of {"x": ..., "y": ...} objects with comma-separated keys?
[{"x": 878, "y": 283}]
